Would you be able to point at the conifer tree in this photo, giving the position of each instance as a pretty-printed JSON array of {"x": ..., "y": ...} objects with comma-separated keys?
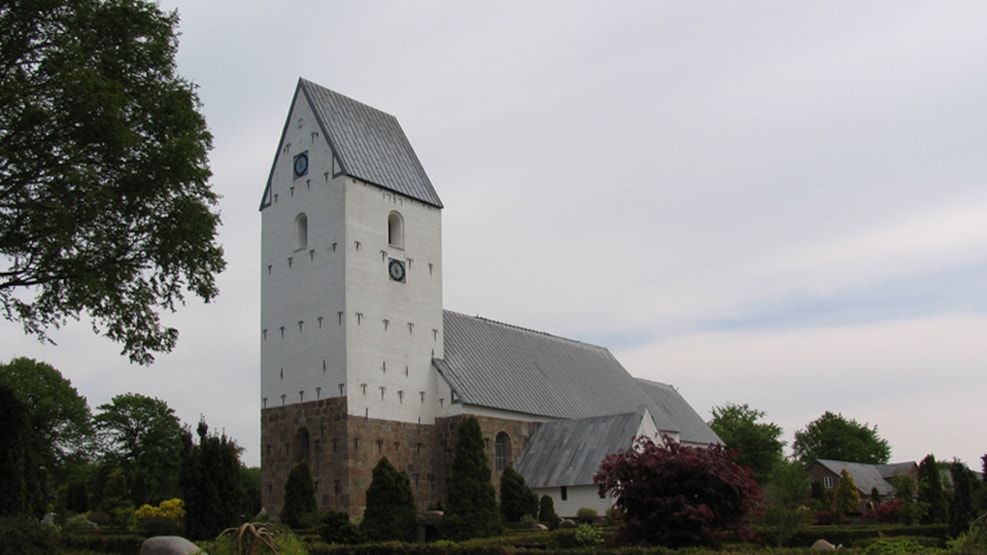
[
  {"x": 516, "y": 498},
  {"x": 847, "y": 497},
  {"x": 390, "y": 512},
  {"x": 299, "y": 509},
  {"x": 931, "y": 497},
  {"x": 210, "y": 484},
  {"x": 471, "y": 507},
  {"x": 20, "y": 487},
  {"x": 546, "y": 512},
  {"x": 961, "y": 509}
]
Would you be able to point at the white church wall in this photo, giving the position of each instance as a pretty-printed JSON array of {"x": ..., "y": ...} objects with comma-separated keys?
[
  {"x": 303, "y": 339},
  {"x": 395, "y": 326},
  {"x": 576, "y": 497}
]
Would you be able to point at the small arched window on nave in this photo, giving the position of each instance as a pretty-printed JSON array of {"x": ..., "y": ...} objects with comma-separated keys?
[
  {"x": 301, "y": 231},
  {"x": 395, "y": 230}
]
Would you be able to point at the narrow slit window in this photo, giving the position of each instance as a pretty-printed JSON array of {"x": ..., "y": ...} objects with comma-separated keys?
[{"x": 301, "y": 231}]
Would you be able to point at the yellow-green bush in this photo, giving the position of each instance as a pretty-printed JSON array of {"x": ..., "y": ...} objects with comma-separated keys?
[{"x": 164, "y": 520}]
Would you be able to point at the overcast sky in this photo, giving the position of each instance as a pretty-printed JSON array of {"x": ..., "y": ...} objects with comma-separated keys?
[{"x": 775, "y": 203}]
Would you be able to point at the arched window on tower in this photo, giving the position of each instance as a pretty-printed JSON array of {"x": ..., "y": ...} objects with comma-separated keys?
[
  {"x": 502, "y": 451},
  {"x": 301, "y": 231},
  {"x": 395, "y": 230}
]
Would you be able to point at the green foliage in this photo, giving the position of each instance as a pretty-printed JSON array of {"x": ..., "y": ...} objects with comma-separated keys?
[
  {"x": 897, "y": 547},
  {"x": 581, "y": 536},
  {"x": 391, "y": 513},
  {"x": 256, "y": 539},
  {"x": 471, "y": 507},
  {"x": 335, "y": 527},
  {"x": 785, "y": 492},
  {"x": 516, "y": 498},
  {"x": 904, "y": 493},
  {"x": 100, "y": 543},
  {"x": 677, "y": 496},
  {"x": 143, "y": 436},
  {"x": 961, "y": 509},
  {"x": 250, "y": 486},
  {"x": 106, "y": 205},
  {"x": 210, "y": 483},
  {"x": 974, "y": 540},
  {"x": 77, "y": 497},
  {"x": 27, "y": 536},
  {"x": 832, "y": 436},
  {"x": 857, "y": 534},
  {"x": 22, "y": 485},
  {"x": 931, "y": 496},
  {"x": 59, "y": 416},
  {"x": 846, "y": 498},
  {"x": 116, "y": 485},
  {"x": 546, "y": 513},
  {"x": 300, "y": 509},
  {"x": 586, "y": 515},
  {"x": 167, "y": 519},
  {"x": 757, "y": 443}
]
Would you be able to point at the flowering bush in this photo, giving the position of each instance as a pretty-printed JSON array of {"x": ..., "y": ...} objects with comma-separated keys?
[
  {"x": 164, "y": 520},
  {"x": 885, "y": 512}
]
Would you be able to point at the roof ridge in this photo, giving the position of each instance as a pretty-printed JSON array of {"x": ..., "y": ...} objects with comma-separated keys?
[{"x": 522, "y": 328}]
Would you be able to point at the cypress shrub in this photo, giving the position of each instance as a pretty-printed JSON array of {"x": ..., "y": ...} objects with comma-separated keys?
[
  {"x": 516, "y": 498},
  {"x": 391, "y": 512},
  {"x": 300, "y": 509},
  {"x": 471, "y": 508}
]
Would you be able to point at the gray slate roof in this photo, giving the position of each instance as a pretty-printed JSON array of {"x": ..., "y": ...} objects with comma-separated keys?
[
  {"x": 692, "y": 428},
  {"x": 496, "y": 365},
  {"x": 868, "y": 476},
  {"x": 569, "y": 452},
  {"x": 369, "y": 144}
]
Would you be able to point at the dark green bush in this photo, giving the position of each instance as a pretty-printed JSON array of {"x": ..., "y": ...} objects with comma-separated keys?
[
  {"x": 390, "y": 512},
  {"x": 849, "y": 535},
  {"x": 586, "y": 515},
  {"x": 335, "y": 527},
  {"x": 546, "y": 513},
  {"x": 300, "y": 509},
  {"x": 99, "y": 542},
  {"x": 159, "y": 526},
  {"x": 26, "y": 536}
]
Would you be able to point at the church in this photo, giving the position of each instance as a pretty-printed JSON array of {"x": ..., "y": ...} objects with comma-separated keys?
[{"x": 359, "y": 359}]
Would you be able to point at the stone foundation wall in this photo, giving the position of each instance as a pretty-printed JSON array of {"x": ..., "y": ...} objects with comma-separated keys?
[
  {"x": 342, "y": 451},
  {"x": 445, "y": 443}
]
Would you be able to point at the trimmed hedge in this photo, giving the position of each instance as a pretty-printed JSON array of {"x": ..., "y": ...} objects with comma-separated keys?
[
  {"x": 851, "y": 535},
  {"x": 123, "y": 544}
]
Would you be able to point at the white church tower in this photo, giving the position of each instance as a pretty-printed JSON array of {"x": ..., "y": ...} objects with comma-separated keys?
[{"x": 351, "y": 285}]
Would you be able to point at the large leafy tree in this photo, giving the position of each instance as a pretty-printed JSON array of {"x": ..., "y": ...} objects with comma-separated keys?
[
  {"x": 756, "y": 442},
  {"x": 835, "y": 437},
  {"x": 471, "y": 504},
  {"x": 61, "y": 422},
  {"x": 143, "y": 436},
  {"x": 105, "y": 209},
  {"x": 676, "y": 495},
  {"x": 210, "y": 483},
  {"x": 391, "y": 513}
]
